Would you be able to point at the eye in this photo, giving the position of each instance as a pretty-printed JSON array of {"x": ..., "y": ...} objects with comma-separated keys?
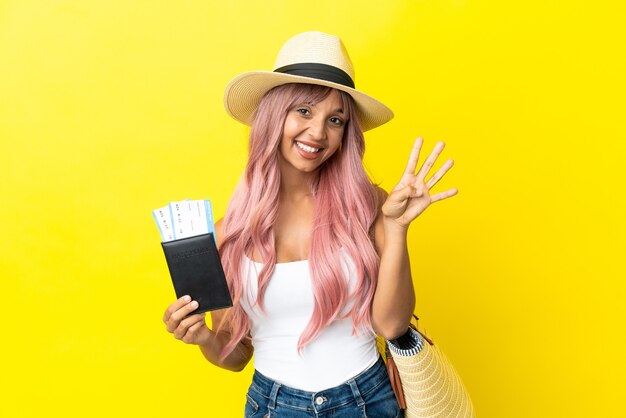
[
  {"x": 303, "y": 111},
  {"x": 336, "y": 121}
]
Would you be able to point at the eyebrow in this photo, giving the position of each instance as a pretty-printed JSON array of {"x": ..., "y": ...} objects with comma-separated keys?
[{"x": 338, "y": 110}]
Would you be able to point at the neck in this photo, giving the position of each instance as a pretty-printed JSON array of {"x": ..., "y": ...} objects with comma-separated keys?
[{"x": 295, "y": 184}]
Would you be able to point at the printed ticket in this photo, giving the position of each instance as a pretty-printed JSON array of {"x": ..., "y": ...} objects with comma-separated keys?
[{"x": 183, "y": 219}]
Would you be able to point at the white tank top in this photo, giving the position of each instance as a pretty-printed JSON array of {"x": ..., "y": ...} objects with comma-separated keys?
[{"x": 332, "y": 358}]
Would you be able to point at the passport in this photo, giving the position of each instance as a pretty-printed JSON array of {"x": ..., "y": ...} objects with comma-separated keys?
[{"x": 188, "y": 242}]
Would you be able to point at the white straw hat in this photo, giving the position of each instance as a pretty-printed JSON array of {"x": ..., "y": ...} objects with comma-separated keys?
[{"x": 311, "y": 58}]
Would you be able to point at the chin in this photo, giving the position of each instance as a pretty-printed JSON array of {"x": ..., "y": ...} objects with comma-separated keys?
[{"x": 308, "y": 169}]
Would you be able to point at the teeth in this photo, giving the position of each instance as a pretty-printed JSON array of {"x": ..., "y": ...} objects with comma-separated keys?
[{"x": 307, "y": 148}]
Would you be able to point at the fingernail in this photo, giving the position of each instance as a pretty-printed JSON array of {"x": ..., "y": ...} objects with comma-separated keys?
[
  {"x": 186, "y": 298},
  {"x": 194, "y": 304}
]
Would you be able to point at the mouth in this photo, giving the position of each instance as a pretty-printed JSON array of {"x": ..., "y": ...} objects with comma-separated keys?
[{"x": 307, "y": 148}]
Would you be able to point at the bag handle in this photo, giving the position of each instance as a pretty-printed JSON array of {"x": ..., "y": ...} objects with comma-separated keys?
[
  {"x": 394, "y": 378},
  {"x": 414, "y": 326}
]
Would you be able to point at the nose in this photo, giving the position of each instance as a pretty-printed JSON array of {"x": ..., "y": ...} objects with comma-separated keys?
[{"x": 317, "y": 129}]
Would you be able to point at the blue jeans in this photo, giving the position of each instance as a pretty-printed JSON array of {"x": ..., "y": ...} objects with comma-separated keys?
[{"x": 368, "y": 394}]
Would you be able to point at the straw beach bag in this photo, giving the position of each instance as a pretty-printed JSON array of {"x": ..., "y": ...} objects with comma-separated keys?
[{"x": 423, "y": 379}]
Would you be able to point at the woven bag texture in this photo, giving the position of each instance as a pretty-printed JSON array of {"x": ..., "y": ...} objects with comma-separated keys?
[{"x": 432, "y": 388}]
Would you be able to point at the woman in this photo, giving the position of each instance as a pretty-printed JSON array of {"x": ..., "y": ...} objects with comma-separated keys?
[{"x": 315, "y": 255}]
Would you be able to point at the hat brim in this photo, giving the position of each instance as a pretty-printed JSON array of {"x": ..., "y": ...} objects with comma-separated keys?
[{"x": 244, "y": 92}]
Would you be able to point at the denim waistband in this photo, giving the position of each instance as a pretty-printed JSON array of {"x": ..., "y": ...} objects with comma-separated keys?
[{"x": 352, "y": 390}]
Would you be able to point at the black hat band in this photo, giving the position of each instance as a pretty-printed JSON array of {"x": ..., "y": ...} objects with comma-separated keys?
[{"x": 318, "y": 71}]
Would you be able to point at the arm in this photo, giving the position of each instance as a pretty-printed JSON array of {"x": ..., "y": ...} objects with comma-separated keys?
[
  {"x": 394, "y": 300},
  {"x": 193, "y": 329}
]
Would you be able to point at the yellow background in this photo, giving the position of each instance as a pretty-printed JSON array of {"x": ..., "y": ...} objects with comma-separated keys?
[{"x": 109, "y": 109}]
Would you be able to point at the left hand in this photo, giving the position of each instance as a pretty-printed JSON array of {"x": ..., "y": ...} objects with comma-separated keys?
[{"x": 411, "y": 196}]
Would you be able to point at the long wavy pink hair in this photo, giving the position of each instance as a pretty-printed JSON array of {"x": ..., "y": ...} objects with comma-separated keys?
[{"x": 344, "y": 211}]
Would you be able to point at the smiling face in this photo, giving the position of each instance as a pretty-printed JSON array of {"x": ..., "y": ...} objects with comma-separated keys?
[{"x": 312, "y": 134}]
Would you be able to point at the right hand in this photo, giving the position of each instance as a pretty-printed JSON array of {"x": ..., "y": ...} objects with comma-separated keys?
[{"x": 189, "y": 329}]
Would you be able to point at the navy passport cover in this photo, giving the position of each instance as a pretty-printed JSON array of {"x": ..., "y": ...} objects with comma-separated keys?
[{"x": 196, "y": 270}]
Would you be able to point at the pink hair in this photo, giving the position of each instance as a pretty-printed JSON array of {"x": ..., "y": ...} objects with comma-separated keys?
[{"x": 345, "y": 209}]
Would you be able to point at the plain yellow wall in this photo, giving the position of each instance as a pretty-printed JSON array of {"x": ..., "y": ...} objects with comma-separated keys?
[{"x": 109, "y": 109}]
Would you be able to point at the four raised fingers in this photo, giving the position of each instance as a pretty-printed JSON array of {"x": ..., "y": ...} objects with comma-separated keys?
[{"x": 416, "y": 183}]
